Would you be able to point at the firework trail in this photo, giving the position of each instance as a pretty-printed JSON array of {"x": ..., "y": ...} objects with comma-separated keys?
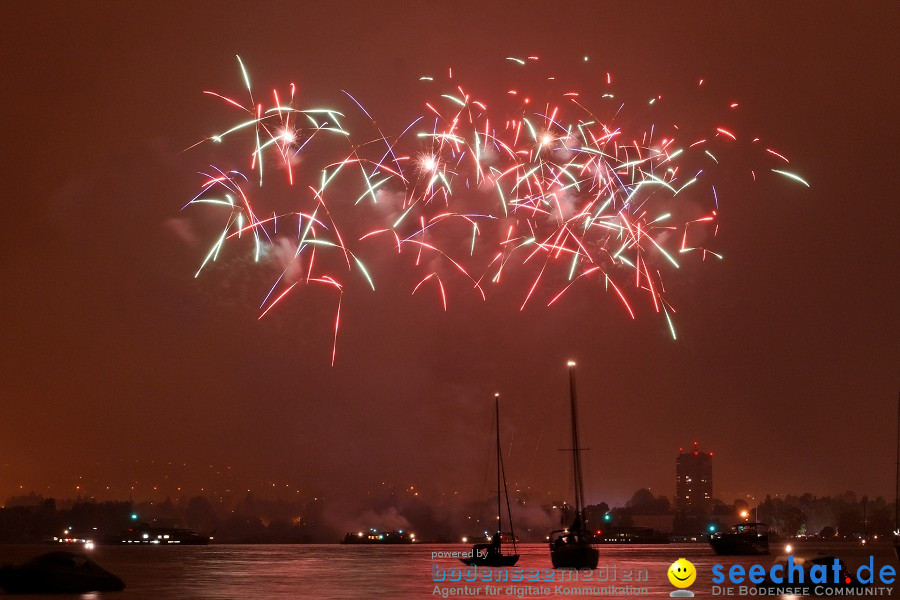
[{"x": 564, "y": 191}]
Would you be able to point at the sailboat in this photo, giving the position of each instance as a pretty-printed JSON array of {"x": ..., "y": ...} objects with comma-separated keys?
[
  {"x": 491, "y": 554},
  {"x": 571, "y": 548}
]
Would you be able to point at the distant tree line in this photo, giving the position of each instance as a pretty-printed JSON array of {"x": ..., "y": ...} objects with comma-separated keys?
[
  {"x": 33, "y": 519},
  {"x": 844, "y": 516}
]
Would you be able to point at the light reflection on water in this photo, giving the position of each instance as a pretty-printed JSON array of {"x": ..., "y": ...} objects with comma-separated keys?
[{"x": 350, "y": 572}]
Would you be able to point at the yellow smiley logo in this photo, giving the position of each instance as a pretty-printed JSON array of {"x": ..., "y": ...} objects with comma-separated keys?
[{"x": 682, "y": 573}]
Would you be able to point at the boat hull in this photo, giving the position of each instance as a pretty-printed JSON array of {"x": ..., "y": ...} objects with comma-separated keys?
[
  {"x": 187, "y": 540},
  {"x": 736, "y": 544},
  {"x": 575, "y": 556},
  {"x": 648, "y": 541},
  {"x": 159, "y": 536},
  {"x": 495, "y": 560},
  {"x": 489, "y": 555},
  {"x": 629, "y": 535},
  {"x": 386, "y": 537}
]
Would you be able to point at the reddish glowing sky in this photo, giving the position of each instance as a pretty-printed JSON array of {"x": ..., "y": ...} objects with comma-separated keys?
[{"x": 787, "y": 366}]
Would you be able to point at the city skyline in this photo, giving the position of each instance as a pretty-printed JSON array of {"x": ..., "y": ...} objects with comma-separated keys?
[{"x": 222, "y": 482}]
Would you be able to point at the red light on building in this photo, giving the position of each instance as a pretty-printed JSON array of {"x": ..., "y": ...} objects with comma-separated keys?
[{"x": 693, "y": 480}]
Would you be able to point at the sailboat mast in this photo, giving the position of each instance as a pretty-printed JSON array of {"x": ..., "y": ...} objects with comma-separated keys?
[
  {"x": 512, "y": 530},
  {"x": 499, "y": 458},
  {"x": 576, "y": 449}
]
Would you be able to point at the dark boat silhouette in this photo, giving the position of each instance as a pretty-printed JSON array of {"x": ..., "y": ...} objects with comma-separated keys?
[
  {"x": 58, "y": 573},
  {"x": 143, "y": 533},
  {"x": 571, "y": 548},
  {"x": 629, "y": 535},
  {"x": 491, "y": 554},
  {"x": 374, "y": 536},
  {"x": 744, "y": 539}
]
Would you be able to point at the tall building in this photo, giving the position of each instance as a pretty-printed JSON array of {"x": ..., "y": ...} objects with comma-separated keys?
[{"x": 693, "y": 480}]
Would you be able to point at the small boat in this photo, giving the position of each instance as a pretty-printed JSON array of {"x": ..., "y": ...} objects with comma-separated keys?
[
  {"x": 58, "y": 573},
  {"x": 161, "y": 536},
  {"x": 744, "y": 539},
  {"x": 571, "y": 548},
  {"x": 373, "y": 536},
  {"x": 491, "y": 554},
  {"x": 629, "y": 535},
  {"x": 842, "y": 583}
]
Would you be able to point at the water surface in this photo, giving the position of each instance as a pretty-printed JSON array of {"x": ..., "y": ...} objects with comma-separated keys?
[{"x": 402, "y": 571}]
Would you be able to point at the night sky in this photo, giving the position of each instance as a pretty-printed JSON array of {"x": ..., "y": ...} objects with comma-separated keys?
[{"x": 114, "y": 356}]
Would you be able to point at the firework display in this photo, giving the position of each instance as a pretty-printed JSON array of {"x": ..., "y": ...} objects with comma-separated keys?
[{"x": 556, "y": 189}]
